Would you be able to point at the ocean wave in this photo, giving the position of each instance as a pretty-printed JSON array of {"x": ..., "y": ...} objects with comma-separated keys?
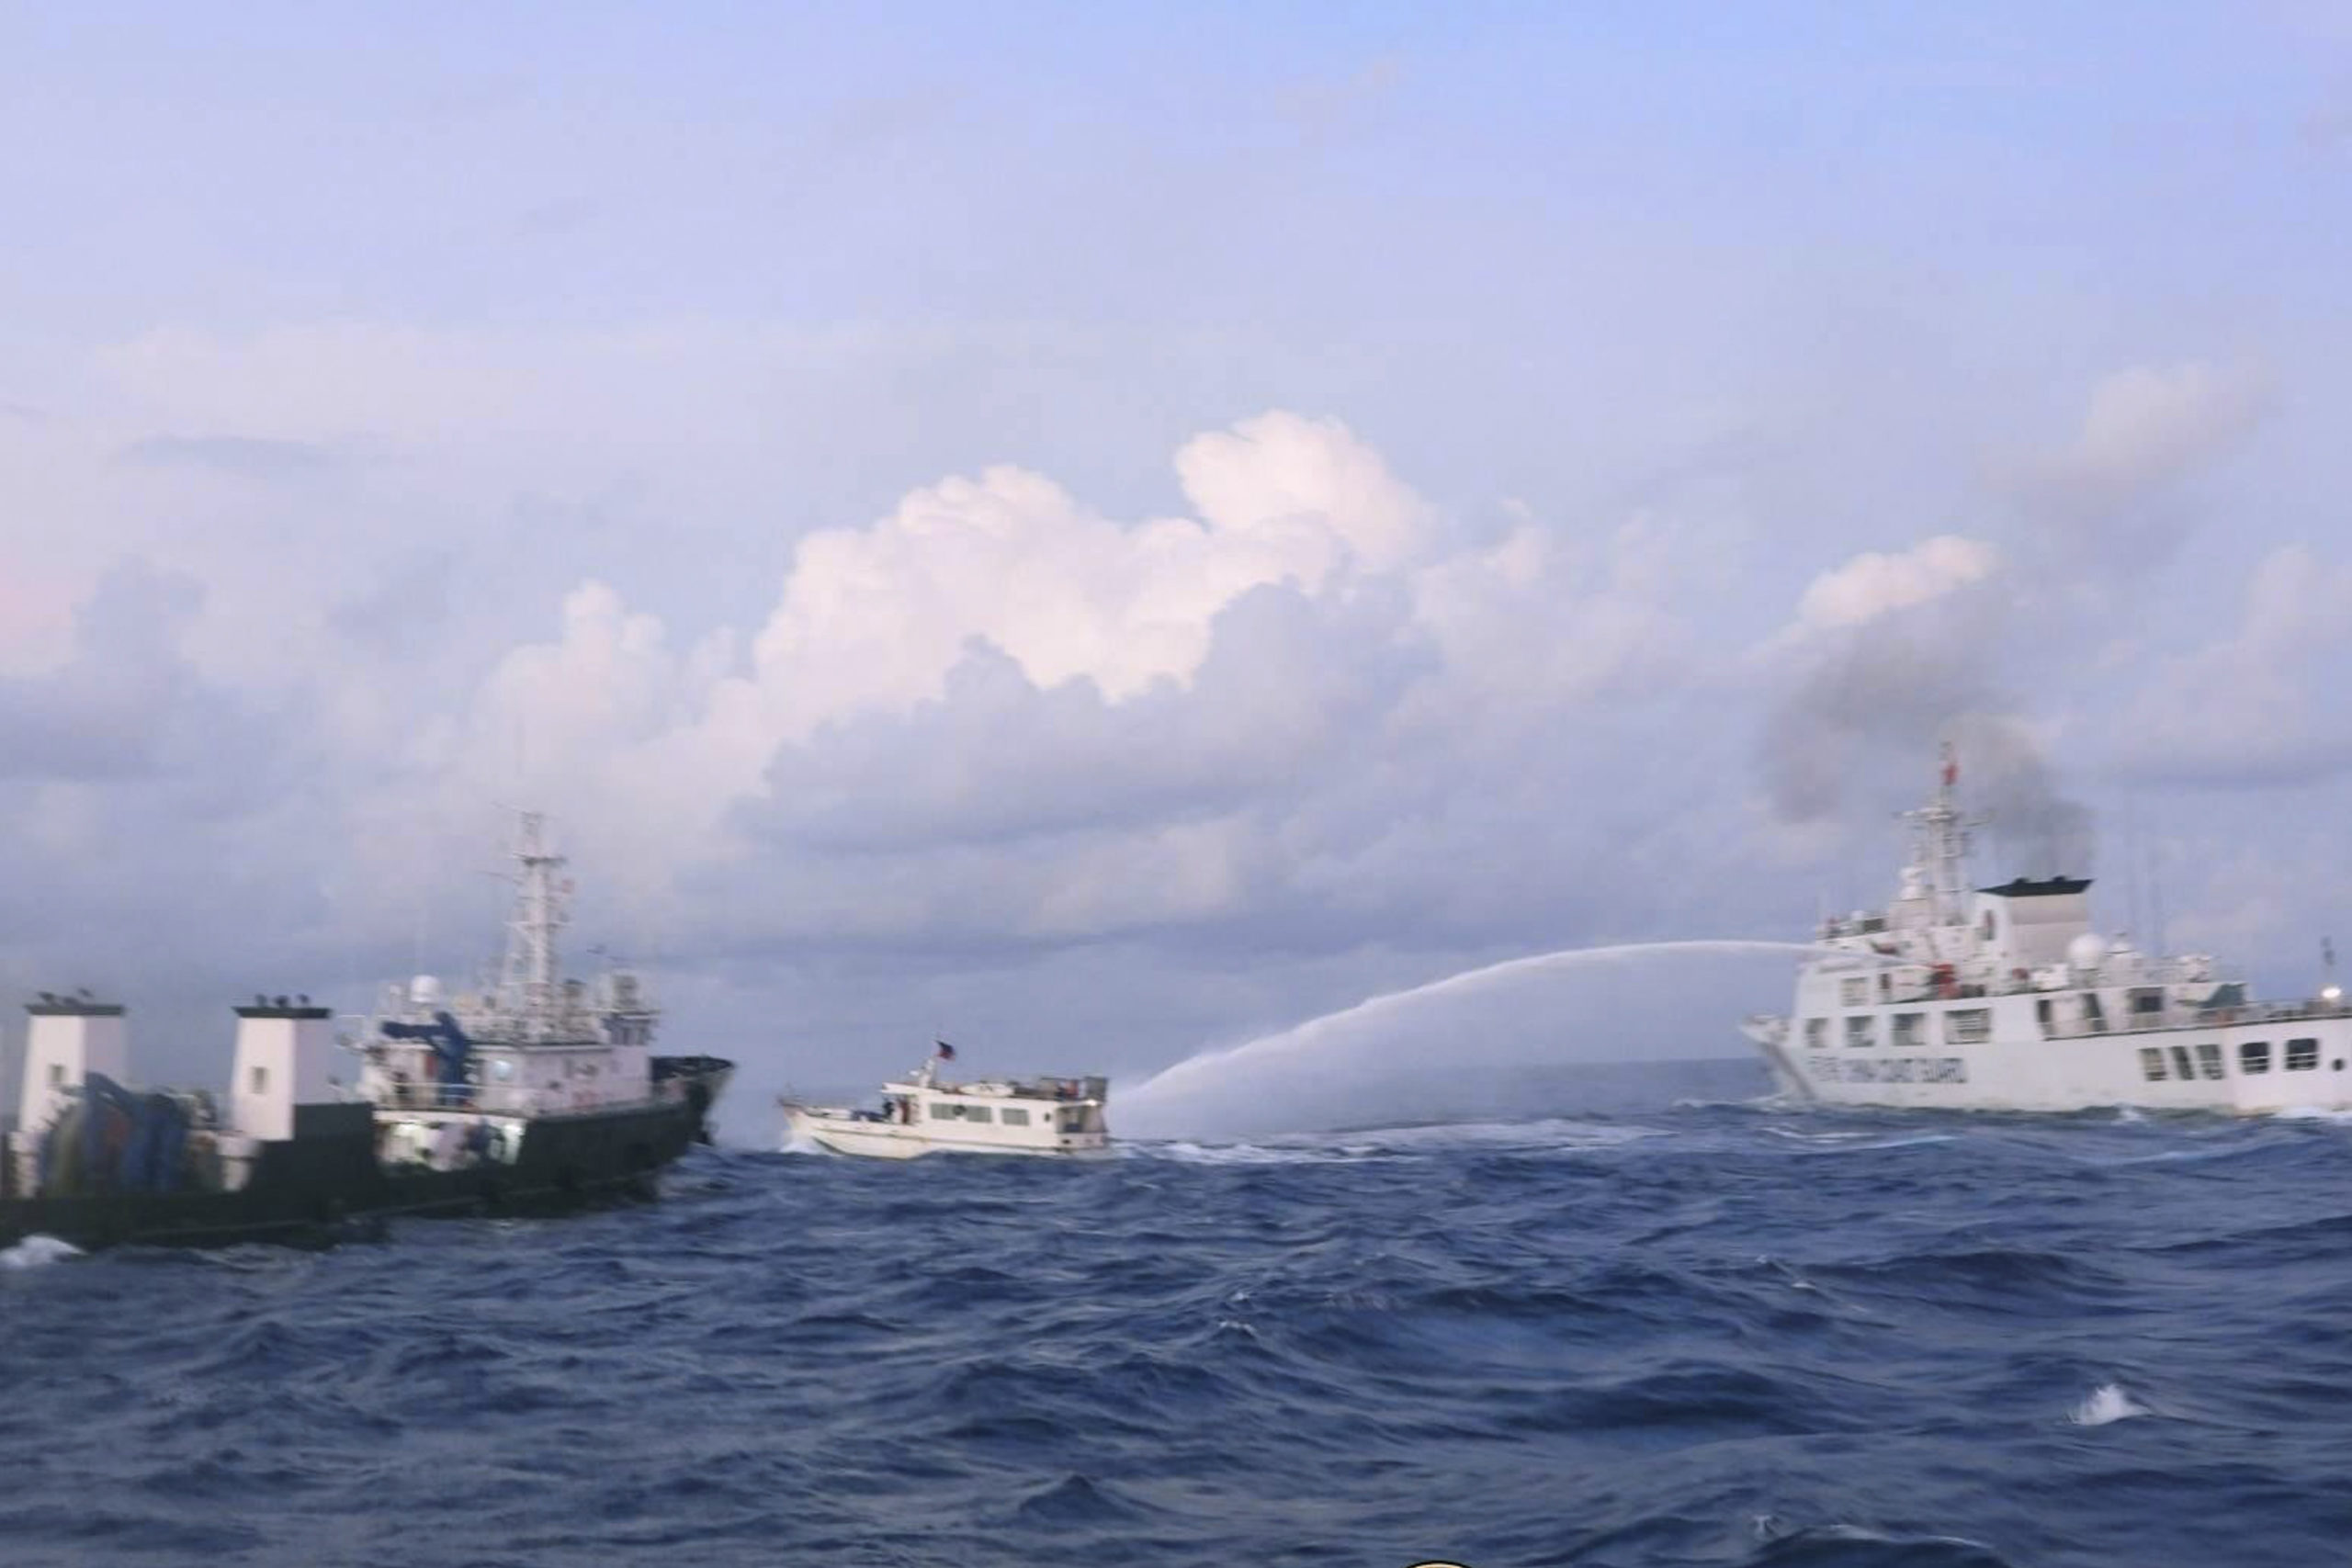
[
  {"x": 37, "y": 1252},
  {"x": 2106, "y": 1404},
  {"x": 1546, "y": 1135},
  {"x": 1605, "y": 1338},
  {"x": 1184, "y": 1152},
  {"x": 1855, "y": 1141},
  {"x": 1857, "y": 1546},
  {"x": 2313, "y": 1113}
]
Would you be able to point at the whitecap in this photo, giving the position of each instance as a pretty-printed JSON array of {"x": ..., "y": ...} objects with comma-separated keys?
[
  {"x": 1552, "y": 1134},
  {"x": 1862, "y": 1143},
  {"x": 37, "y": 1252},
  {"x": 2106, "y": 1403},
  {"x": 1230, "y": 1154}
]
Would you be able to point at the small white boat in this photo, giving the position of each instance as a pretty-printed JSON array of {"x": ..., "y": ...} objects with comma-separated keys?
[{"x": 919, "y": 1114}]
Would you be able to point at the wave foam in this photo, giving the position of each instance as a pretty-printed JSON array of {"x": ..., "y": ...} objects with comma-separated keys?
[
  {"x": 2330, "y": 1114},
  {"x": 2106, "y": 1403},
  {"x": 37, "y": 1252},
  {"x": 1561, "y": 1134},
  {"x": 1186, "y": 1152}
]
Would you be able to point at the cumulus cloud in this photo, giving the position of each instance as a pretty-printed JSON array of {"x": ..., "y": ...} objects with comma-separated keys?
[
  {"x": 2260, "y": 706},
  {"x": 872, "y": 623},
  {"x": 1889, "y": 656},
  {"x": 109, "y": 709},
  {"x": 995, "y": 714},
  {"x": 875, "y": 616},
  {"x": 2145, "y": 428},
  {"x": 1874, "y": 583},
  {"x": 1957, "y": 638}
]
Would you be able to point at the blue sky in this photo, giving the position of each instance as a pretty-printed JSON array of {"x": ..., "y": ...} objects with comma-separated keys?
[{"x": 1561, "y": 353}]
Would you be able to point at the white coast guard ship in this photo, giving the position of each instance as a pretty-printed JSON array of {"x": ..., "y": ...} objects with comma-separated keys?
[
  {"x": 922, "y": 1114},
  {"x": 2005, "y": 999}
]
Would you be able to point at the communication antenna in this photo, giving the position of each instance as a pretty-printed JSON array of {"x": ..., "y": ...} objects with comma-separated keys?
[{"x": 2132, "y": 870}]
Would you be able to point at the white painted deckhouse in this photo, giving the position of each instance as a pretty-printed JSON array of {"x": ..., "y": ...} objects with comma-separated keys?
[
  {"x": 921, "y": 1113},
  {"x": 2006, "y": 998},
  {"x": 457, "y": 1078}
]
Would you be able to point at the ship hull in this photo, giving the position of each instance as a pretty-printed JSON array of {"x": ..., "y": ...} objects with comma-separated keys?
[
  {"x": 889, "y": 1140},
  {"x": 2289, "y": 1062},
  {"x": 320, "y": 1187}
]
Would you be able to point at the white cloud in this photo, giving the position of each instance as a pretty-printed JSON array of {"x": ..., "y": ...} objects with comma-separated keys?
[
  {"x": 2261, "y": 705},
  {"x": 996, "y": 714},
  {"x": 2147, "y": 425},
  {"x": 1873, "y": 584},
  {"x": 872, "y": 621}
]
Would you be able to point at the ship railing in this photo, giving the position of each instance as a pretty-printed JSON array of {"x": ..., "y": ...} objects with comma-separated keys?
[{"x": 2178, "y": 1018}]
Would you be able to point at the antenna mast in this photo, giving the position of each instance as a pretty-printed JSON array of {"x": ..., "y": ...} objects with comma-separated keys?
[
  {"x": 526, "y": 987},
  {"x": 1941, "y": 843}
]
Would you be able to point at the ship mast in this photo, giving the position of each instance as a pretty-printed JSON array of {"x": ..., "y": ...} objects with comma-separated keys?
[
  {"x": 1941, "y": 840},
  {"x": 526, "y": 987}
]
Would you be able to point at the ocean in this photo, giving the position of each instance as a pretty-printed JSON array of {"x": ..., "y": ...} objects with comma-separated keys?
[{"x": 1671, "y": 1327}]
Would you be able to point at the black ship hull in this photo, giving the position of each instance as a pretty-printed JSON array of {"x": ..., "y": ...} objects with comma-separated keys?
[{"x": 327, "y": 1181}]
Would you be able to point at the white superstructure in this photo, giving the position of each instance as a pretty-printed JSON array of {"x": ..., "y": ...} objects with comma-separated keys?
[
  {"x": 2006, "y": 998},
  {"x": 921, "y": 1114},
  {"x": 69, "y": 1038},
  {"x": 451, "y": 1075}
]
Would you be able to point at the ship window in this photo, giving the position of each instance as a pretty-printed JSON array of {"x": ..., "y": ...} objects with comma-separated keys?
[
  {"x": 57, "y": 1075},
  {"x": 261, "y": 1080},
  {"x": 502, "y": 1069},
  {"x": 1015, "y": 1117},
  {"x": 2302, "y": 1055},
  {"x": 1816, "y": 1034},
  {"x": 942, "y": 1111},
  {"x": 978, "y": 1114},
  {"x": 2254, "y": 1056},
  {"x": 2152, "y": 1064},
  {"x": 1910, "y": 1029},
  {"x": 1968, "y": 1026},
  {"x": 2147, "y": 1001},
  {"x": 2180, "y": 1061},
  {"x": 1862, "y": 1031},
  {"x": 2209, "y": 1060},
  {"x": 1853, "y": 993}
]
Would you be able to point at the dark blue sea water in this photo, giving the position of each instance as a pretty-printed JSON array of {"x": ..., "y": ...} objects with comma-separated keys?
[{"x": 1647, "y": 1334}]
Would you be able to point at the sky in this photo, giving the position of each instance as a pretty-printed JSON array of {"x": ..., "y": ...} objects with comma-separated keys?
[{"x": 1100, "y": 533}]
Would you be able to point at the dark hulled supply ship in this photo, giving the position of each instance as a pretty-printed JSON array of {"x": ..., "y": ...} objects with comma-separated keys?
[{"x": 534, "y": 1092}]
